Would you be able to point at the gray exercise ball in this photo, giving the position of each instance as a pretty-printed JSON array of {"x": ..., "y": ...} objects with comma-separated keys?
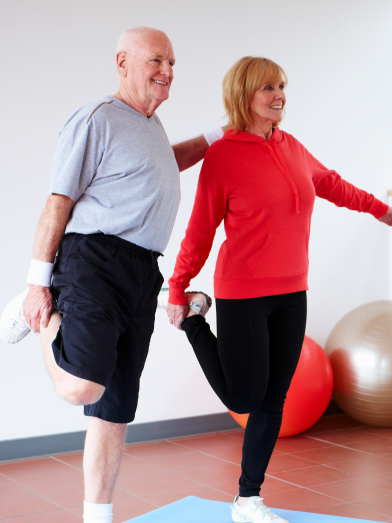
[{"x": 360, "y": 350}]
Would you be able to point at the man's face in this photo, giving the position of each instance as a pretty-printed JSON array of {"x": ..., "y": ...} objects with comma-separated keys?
[{"x": 150, "y": 69}]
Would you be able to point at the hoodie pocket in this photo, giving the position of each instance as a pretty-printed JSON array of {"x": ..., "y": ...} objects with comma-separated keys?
[{"x": 284, "y": 254}]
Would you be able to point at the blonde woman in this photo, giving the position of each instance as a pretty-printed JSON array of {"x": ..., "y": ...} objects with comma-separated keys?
[{"x": 262, "y": 182}]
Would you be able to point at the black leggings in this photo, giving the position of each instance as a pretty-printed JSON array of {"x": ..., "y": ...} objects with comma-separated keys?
[{"x": 250, "y": 366}]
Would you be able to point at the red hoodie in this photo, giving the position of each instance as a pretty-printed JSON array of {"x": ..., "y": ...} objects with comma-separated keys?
[{"x": 264, "y": 191}]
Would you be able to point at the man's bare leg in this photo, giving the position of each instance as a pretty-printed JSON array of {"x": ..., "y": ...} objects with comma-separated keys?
[
  {"x": 104, "y": 441},
  {"x": 73, "y": 389},
  {"x": 48, "y": 335},
  {"x": 102, "y": 459}
]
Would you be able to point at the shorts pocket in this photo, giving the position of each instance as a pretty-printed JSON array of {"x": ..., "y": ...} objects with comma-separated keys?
[
  {"x": 96, "y": 250},
  {"x": 62, "y": 264},
  {"x": 284, "y": 254}
]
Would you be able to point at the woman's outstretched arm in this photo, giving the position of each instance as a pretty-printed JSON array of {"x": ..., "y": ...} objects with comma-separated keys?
[{"x": 330, "y": 186}]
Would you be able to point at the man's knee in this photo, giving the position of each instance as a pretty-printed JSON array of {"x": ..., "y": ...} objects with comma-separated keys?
[{"x": 78, "y": 391}]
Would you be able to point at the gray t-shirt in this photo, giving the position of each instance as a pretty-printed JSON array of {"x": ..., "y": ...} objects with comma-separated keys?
[{"x": 119, "y": 167}]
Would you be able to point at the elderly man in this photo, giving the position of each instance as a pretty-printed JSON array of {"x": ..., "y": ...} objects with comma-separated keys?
[{"x": 114, "y": 192}]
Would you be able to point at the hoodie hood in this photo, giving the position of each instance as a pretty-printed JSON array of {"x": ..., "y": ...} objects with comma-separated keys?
[{"x": 243, "y": 136}]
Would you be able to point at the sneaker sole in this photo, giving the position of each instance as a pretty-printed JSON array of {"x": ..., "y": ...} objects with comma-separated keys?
[{"x": 240, "y": 519}]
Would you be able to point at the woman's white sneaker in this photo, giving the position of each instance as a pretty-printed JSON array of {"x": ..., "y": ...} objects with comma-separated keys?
[
  {"x": 13, "y": 326},
  {"x": 254, "y": 512}
]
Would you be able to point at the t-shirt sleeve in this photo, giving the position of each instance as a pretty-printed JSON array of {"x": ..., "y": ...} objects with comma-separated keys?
[
  {"x": 78, "y": 155},
  {"x": 208, "y": 212},
  {"x": 330, "y": 186}
]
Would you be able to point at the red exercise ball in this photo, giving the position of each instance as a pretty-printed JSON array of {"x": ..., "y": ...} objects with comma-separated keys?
[{"x": 309, "y": 394}]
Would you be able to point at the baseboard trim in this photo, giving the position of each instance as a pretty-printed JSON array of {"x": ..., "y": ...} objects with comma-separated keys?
[{"x": 24, "y": 448}]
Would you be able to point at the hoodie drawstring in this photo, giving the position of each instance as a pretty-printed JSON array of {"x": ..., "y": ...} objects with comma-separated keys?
[{"x": 279, "y": 160}]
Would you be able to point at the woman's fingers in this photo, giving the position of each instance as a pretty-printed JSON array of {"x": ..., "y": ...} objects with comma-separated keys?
[
  {"x": 176, "y": 314},
  {"x": 171, "y": 312},
  {"x": 180, "y": 318}
]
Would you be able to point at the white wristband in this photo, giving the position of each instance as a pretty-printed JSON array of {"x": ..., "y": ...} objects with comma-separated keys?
[
  {"x": 40, "y": 273},
  {"x": 213, "y": 135}
]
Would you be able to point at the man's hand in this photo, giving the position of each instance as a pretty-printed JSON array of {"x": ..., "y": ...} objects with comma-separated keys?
[
  {"x": 177, "y": 314},
  {"x": 387, "y": 218},
  {"x": 38, "y": 307}
]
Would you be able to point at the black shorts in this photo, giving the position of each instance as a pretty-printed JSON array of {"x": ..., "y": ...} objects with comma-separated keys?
[{"x": 106, "y": 290}]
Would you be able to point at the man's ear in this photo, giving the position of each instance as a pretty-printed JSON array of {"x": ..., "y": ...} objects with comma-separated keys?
[{"x": 122, "y": 65}]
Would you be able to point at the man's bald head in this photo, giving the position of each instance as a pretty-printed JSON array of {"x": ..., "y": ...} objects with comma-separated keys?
[
  {"x": 145, "y": 60},
  {"x": 135, "y": 36}
]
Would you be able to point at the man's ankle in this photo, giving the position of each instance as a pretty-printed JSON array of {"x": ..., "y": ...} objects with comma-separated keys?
[{"x": 98, "y": 512}]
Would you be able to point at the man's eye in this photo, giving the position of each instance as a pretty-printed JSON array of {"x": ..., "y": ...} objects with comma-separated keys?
[
  {"x": 171, "y": 64},
  {"x": 156, "y": 60}
]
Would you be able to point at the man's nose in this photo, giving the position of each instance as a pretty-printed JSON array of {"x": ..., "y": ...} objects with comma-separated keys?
[{"x": 166, "y": 68}]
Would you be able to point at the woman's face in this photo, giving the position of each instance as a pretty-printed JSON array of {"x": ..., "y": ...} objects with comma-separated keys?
[{"x": 268, "y": 102}]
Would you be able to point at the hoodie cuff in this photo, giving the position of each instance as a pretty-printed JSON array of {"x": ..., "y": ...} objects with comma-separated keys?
[
  {"x": 378, "y": 208},
  {"x": 177, "y": 295}
]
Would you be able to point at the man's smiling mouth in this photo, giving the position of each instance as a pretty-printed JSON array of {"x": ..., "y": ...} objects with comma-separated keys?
[{"x": 159, "y": 82}]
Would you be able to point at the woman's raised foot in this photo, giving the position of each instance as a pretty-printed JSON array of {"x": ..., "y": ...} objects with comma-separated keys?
[{"x": 199, "y": 303}]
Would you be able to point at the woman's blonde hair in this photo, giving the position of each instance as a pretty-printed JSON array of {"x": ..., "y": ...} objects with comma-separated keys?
[{"x": 240, "y": 84}]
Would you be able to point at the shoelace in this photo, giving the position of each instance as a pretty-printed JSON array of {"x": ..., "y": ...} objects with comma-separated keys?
[
  {"x": 18, "y": 325},
  {"x": 11, "y": 332},
  {"x": 264, "y": 510},
  {"x": 198, "y": 304}
]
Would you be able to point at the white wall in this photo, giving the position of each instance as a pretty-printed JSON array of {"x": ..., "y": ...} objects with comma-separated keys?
[{"x": 56, "y": 56}]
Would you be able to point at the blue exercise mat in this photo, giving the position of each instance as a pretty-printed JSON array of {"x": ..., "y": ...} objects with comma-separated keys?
[{"x": 196, "y": 510}]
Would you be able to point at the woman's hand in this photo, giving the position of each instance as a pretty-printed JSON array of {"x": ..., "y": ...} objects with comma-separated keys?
[
  {"x": 177, "y": 314},
  {"x": 387, "y": 218}
]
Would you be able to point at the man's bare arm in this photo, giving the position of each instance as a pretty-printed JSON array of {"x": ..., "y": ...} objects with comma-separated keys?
[
  {"x": 51, "y": 227},
  {"x": 38, "y": 305},
  {"x": 190, "y": 152}
]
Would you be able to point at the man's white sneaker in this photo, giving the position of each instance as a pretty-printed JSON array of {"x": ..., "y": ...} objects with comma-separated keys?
[
  {"x": 163, "y": 298},
  {"x": 254, "y": 512},
  {"x": 13, "y": 326},
  {"x": 198, "y": 302}
]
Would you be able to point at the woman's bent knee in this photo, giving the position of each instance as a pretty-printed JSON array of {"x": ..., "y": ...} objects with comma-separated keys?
[
  {"x": 243, "y": 407},
  {"x": 78, "y": 391},
  {"x": 247, "y": 402}
]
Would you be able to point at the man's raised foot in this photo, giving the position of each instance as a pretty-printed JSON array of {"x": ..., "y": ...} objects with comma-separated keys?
[{"x": 13, "y": 326}]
